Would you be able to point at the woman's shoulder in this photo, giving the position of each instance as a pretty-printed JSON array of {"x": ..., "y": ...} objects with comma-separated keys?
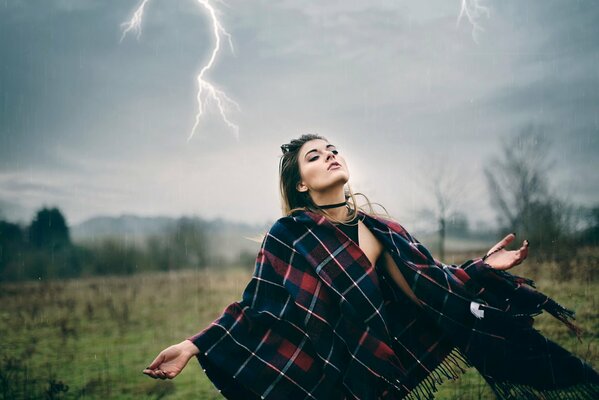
[
  {"x": 281, "y": 225},
  {"x": 285, "y": 229},
  {"x": 288, "y": 223}
]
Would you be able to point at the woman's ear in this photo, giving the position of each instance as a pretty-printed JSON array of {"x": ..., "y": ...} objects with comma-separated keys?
[{"x": 301, "y": 187}]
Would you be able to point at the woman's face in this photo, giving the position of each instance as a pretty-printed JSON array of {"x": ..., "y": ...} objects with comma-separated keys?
[{"x": 317, "y": 159}]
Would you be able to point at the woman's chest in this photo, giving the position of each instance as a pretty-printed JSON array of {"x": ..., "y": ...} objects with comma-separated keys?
[{"x": 369, "y": 244}]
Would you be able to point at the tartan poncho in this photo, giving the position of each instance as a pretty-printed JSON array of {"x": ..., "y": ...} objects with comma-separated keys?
[{"x": 319, "y": 321}]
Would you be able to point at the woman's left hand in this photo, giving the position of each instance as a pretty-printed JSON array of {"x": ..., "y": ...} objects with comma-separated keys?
[{"x": 500, "y": 258}]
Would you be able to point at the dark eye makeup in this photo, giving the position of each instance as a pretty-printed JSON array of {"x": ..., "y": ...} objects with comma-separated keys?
[{"x": 315, "y": 157}]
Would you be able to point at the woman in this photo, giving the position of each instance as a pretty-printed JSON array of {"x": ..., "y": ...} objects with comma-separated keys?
[{"x": 345, "y": 304}]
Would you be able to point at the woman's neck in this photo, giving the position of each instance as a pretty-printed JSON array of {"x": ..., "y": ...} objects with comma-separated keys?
[
  {"x": 324, "y": 199},
  {"x": 339, "y": 213}
]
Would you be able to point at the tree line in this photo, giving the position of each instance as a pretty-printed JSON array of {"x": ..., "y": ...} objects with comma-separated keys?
[
  {"x": 44, "y": 250},
  {"x": 558, "y": 231}
]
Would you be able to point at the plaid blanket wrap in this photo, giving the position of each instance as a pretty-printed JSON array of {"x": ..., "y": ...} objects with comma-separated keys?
[{"x": 319, "y": 321}]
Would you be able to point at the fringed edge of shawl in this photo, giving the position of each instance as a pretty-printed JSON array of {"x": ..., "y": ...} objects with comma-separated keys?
[
  {"x": 563, "y": 314},
  {"x": 451, "y": 368},
  {"x": 510, "y": 391},
  {"x": 455, "y": 364},
  {"x": 513, "y": 278}
]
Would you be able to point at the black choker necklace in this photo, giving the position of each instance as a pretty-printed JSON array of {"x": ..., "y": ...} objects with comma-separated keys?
[{"x": 332, "y": 205}]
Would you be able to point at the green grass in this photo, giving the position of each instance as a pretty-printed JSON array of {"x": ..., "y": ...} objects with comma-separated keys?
[{"x": 97, "y": 334}]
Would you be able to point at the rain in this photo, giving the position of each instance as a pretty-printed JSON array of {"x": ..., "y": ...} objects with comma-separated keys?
[{"x": 139, "y": 150}]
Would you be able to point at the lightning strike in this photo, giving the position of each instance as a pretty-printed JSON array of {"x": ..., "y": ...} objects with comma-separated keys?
[
  {"x": 206, "y": 91},
  {"x": 135, "y": 21},
  {"x": 473, "y": 10}
]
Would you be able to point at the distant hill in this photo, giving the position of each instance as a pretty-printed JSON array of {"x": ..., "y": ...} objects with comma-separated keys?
[
  {"x": 134, "y": 227},
  {"x": 227, "y": 239}
]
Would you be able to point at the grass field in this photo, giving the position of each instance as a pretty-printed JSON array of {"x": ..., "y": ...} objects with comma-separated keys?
[{"x": 95, "y": 335}]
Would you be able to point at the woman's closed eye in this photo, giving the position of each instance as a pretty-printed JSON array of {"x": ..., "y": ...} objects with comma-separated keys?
[{"x": 316, "y": 157}]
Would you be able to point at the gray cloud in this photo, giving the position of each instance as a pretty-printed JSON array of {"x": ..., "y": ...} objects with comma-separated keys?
[{"x": 101, "y": 127}]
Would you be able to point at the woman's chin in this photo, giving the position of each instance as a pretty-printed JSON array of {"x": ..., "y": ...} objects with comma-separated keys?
[{"x": 341, "y": 179}]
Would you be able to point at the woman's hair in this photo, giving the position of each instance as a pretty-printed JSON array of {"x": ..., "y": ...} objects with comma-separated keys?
[{"x": 289, "y": 177}]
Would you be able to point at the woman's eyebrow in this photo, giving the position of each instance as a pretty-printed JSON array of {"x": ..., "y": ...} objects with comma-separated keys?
[{"x": 328, "y": 145}]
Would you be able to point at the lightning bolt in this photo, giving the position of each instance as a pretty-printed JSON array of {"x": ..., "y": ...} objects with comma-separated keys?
[
  {"x": 473, "y": 10},
  {"x": 206, "y": 90},
  {"x": 135, "y": 21}
]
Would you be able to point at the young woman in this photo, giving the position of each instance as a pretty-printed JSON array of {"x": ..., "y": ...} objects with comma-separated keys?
[{"x": 346, "y": 304}]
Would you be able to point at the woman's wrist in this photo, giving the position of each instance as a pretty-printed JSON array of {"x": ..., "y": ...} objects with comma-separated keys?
[{"x": 188, "y": 347}]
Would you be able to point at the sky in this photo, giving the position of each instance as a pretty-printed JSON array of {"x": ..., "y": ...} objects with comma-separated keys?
[{"x": 96, "y": 126}]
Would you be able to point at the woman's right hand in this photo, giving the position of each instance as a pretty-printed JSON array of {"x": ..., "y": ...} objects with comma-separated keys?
[
  {"x": 500, "y": 258},
  {"x": 171, "y": 360}
]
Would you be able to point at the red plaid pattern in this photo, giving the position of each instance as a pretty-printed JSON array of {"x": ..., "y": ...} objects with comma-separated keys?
[{"x": 318, "y": 321}]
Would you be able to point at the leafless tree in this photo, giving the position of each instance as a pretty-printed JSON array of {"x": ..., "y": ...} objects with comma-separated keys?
[
  {"x": 517, "y": 179},
  {"x": 446, "y": 189},
  {"x": 520, "y": 193}
]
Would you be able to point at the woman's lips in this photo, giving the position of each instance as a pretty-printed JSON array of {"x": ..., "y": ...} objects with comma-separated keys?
[{"x": 335, "y": 166}]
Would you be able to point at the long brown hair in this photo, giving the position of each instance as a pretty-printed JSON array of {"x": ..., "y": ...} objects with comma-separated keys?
[{"x": 294, "y": 200}]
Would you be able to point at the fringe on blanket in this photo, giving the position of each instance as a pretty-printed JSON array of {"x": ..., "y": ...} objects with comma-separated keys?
[
  {"x": 451, "y": 368},
  {"x": 558, "y": 311},
  {"x": 565, "y": 316},
  {"x": 455, "y": 364},
  {"x": 514, "y": 278},
  {"x": 509, "y": 391}
]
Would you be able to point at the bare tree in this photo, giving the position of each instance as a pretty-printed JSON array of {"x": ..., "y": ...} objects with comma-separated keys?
[
  {"x": 446, "y": 190},
  {"x": 520, "y": 192},
  {"x": 518, "y": 179}
]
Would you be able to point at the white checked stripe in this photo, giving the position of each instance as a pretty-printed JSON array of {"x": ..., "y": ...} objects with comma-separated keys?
[
  {"x": 259, "y": 273},
  {"x": 310, "y": 311},
  {"x": 313, "y": 302},
  {"x": 413, "y": 356},
  {"x": 282, "y": 372},
  {"x": 416, "y": 269},
  {"x": 364, "y": 275},
  {"x": 289, "y": 264},
  {"x": 462, "y": 325},
  {"x": 332, "y": 257},
  {"x": 255, "y": 355},
  {"x": 285, "y": 244}
]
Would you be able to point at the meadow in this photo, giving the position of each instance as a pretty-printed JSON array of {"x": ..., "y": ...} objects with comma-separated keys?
[{"x": 90, "y": 338}]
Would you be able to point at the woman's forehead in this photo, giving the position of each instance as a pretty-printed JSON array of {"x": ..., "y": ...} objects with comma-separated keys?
[{"x": 315, "y": 144}]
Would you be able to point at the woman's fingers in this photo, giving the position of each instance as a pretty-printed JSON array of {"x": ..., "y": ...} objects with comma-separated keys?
[
  {"x": 157, "y": 361},
  {"x": 523, "y": 251},
  {"x": 150, "y": 372},
  {"x": 158, "y": 373},
  {"x": 507, "y": 240},
  {"x": 502, "y": 243},
  {"x": 153, "y": 369}
]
